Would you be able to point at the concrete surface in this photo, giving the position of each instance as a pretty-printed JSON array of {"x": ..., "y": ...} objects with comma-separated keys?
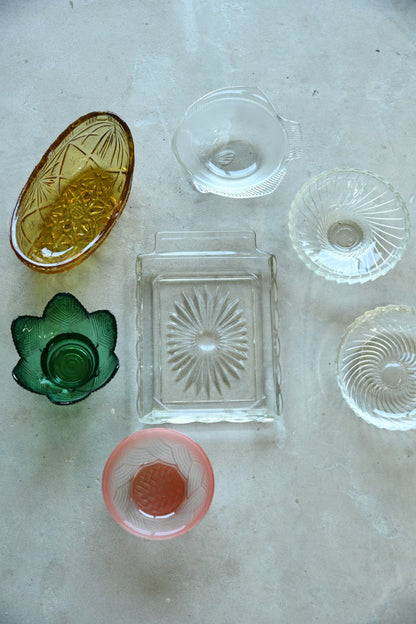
[{"x": 313, "y": 519}]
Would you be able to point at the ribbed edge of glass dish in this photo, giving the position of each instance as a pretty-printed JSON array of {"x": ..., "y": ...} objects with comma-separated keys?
[
  {"x": 139, "y": 340},
  {"x": 389, "y": 263},
  {"x": 403, "y": 423},
  {"x": 294, "y": 137},
  {"x": 275, "y": 336},
  {"x": 265, "y": 188}
]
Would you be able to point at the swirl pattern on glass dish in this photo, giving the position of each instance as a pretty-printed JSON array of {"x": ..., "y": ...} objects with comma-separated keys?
[
  {"x": 349, "y": 225},
  {"x": 376, "y": 366}
]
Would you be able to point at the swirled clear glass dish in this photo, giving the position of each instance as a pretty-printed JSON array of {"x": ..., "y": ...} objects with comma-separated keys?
[
  {"x": 349, "y": 225},
  {"x": 158, "y": 483},
  {"x": 376, "y": 367}
]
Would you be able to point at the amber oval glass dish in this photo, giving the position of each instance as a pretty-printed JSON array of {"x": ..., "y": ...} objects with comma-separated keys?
[{"x": 75, "y": 194}]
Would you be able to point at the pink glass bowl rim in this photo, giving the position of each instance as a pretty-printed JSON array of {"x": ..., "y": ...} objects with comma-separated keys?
[{"x": 165, "y": 435}]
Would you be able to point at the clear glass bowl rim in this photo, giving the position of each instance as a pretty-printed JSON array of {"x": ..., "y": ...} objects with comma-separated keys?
[{"x": 163, "y": 434}]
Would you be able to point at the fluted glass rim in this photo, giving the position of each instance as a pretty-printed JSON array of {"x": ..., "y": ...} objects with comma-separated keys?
[
  {"x": 402, "y": 423},
  {"x": 372, "y": 275}
]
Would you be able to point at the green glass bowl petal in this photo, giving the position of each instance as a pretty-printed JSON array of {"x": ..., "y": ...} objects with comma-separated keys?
[{"x": 67, "y": 353}]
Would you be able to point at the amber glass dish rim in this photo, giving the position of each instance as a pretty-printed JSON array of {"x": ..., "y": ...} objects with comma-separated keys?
[{"x": 59, "y": 267}]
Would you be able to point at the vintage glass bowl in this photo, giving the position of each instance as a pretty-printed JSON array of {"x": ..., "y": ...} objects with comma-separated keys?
[
  {"x": 67, "y": 353},
  {"x": 376, "y": 366},
  {"x": 158, "y": 483},
  {"x": 207, "y": 321},
  {"x": 349, "y": 225},
  {"x": 75, "y": 194},
  {"x": 232, "y": 142}
]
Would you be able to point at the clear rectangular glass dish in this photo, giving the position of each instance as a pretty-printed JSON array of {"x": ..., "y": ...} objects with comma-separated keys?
[{"x": 207, "y": 330}]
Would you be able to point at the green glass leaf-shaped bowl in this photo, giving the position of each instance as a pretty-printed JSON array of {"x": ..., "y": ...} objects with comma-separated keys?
[{"x": 67, "y": 353}]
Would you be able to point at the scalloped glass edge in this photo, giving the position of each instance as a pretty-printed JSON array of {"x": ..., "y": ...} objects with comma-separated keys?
[
  {"x": 340, "y": 279},
  {"x": 406, "y": 423}
]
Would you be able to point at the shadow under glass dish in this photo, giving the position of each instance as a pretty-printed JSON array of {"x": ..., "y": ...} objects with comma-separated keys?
[
  {"x": 233, "y": 143},
  {"x": 349, "y": 225},
  {"x": 376, "y": 365}
]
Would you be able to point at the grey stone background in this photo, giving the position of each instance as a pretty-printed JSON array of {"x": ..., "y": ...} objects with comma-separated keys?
[{"x": 313, "y": 518}]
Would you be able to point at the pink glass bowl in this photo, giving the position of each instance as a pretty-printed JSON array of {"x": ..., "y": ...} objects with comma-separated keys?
[{"x": 158, "y": 483}]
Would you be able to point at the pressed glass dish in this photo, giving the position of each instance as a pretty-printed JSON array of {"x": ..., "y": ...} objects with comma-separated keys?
[
  {"x": 232, "y": 142},
  {"x": 376, "y": 365},
  {"x": 158, "y": 483},
  {"x": 67, "y": 353},
  {"x": 349, "y": 225},
  {"x": 75, "y": 194},
  {"x": 207, "y": 329}
]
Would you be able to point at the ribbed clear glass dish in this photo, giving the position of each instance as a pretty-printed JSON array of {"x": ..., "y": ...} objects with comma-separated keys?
[
  {"x": 207, "y": 330},
  {"x": 349, "y": 225},
  {"x": 376, "y": 367}
]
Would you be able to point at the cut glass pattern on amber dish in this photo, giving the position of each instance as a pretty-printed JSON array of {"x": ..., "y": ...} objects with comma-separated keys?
[
  {"x": 75, "y": 194},
  {"x": 207, "y": 330}
]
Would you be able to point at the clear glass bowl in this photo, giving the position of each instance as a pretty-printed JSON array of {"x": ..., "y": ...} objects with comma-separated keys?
[
  {"x": 158, "y": 483},
  {"x": 376, "y": 366},
  {"x": 74, "y": 195},
  {"x": 67, "y": 353},
  {"x": 207, "y": 330},
  {"x": 349, "y": 225},
  {"x": 232, "y": 142}
]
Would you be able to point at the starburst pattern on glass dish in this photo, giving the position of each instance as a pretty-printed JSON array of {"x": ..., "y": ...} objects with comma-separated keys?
[{"x": 207, "y": 341}]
